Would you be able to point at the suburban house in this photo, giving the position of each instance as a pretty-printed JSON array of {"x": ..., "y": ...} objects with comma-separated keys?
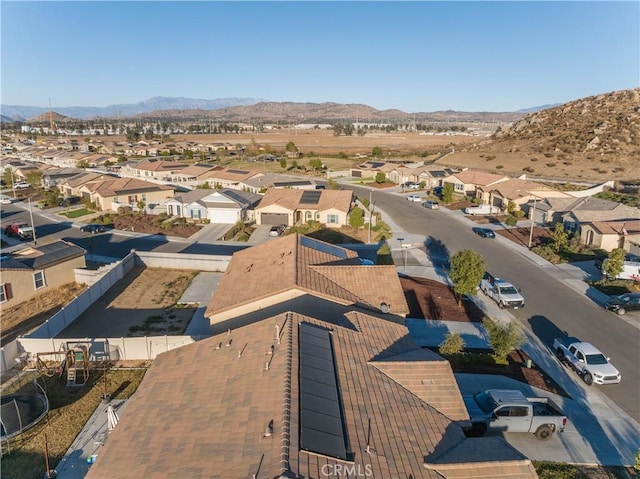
[
  {"x": 405, "y": 173},
  {"x": 29, "y": 271},
  {"x": 292, "y": 206},
  {"x": 53, "y": 177},
  {"x": 71, "y": 186},
  {"x": 317, "y": 374},
  {"x": 231, "y": 178},
  {"x": 195, "y": 175},
  {"x": 369, "y": 169},
  {"x": 609, "y": 235},
  {"x": 112, "y": 193},
  {"x": 516, "y": 191},
  {"x": 466, "y": 182},
  {"x": 218, "y": 206},
  {"x": 153, "y": 169},
  {"x": 260, "y": 183},
  {"x": 432, "y": 177}
]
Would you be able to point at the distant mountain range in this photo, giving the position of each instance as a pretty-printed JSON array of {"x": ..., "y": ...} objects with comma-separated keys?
[{"x": 237, "y": 108}]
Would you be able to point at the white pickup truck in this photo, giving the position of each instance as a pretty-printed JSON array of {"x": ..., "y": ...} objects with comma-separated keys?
[
  {"x": 502, "y": 292},
  {"x": 482, "y": 210},
  {"x": 586, "y": 360},
  {"x": 507, "y": 410}
]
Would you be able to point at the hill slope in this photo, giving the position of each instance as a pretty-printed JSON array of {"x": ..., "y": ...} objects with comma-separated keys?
[{"x": 594, "y": 138}]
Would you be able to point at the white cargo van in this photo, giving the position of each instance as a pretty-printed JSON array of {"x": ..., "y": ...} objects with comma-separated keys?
[{"x": 482, "y": 210}]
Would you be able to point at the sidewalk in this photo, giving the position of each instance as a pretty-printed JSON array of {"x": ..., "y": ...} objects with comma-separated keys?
[{"x": 598, "y": 431}]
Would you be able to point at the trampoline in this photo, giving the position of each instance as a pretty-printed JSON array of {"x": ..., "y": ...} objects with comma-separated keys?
[{"x": 19, "y": 412}]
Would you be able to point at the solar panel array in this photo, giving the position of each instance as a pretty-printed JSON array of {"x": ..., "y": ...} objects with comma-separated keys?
[
  {"x": 310, "y": 197},
  {"x": 321, "y": 421},
  {"x": 238, "y": 172},
  {"x": 323, "y": 247}
]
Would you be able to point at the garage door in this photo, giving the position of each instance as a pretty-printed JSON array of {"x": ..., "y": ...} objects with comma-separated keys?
[
  {"x": 274, "y": 219},
  {"x": 225, "y": 216}
]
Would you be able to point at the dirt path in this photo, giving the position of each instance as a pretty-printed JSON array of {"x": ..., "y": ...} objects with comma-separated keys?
[{"x": 141, "y": 304}]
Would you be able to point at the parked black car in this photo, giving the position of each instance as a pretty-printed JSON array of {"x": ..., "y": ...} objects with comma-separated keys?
[
  {"x": 484, "y": 232},
  {"x": 623, "y": 303},
  {"x": 93, "y": 228},
  {"x": 69, "y": 200}
]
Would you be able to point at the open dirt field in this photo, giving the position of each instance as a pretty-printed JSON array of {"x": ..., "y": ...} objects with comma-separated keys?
[{"x": 141, "y": 304}]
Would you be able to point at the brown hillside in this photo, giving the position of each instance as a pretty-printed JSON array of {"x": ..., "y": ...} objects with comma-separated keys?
[{"x": 595, "y": 138}]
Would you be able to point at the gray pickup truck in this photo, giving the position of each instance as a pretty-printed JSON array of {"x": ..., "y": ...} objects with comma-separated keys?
[{"x": 508, "y": 410}]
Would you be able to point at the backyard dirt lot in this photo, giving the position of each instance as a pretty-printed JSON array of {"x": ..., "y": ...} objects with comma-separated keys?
[{"x": 143, "y": 303}]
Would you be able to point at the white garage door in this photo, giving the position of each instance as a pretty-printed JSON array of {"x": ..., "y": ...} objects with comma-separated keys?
[{"x": 226, "y": 216}]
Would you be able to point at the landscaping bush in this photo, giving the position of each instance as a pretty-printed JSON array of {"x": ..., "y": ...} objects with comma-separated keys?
[{"x": 452, "y": 344}]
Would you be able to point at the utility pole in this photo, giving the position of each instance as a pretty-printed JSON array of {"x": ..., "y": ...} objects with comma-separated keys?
[
  {"x": 33, "y": 226},
  {"x": 533, "y": 213},
  {"x": 370, "y": 214}
]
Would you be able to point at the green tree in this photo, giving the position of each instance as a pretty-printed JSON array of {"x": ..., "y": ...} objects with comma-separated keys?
[
  {"x": 7, "y": 176},
  {"x": 376, "y": 152},
  {"x": 452, "y": 344},
  {"x": 383, "y": 255},
  {"x": 337, "y": 130},
  {"x": 380, "y": 177},
  {"x": 447, "y": 193},
  {"x": 315, "y": 163},
  {"x": 133, "y": 134},
  {"x": 503, "y": 337},
  {"x": 467, "y": 269},
  {"x": 560, "y": 238},
  {"x": 356, "y": 218},
  {"x": 34, "y": 178},
  {"x": 283, "y": 163},
  {"x": 82, "y": 164},
  {"x": 291, "y": 147},
  {"x": 614, "y": 264}
]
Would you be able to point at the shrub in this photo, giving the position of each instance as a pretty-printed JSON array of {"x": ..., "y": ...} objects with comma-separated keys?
[
  {"x": 452, "y": 344},
  {"x": 511, "y": 221},
  {"x": 518, "y": 214},
  {"x": 503, "y": 337},
  {"x": 499, "y": 167}
]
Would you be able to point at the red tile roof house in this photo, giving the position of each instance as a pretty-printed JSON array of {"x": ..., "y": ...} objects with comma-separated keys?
[
  {"x": 153, "y": 169},
  {"x": 110, "y": 194},
  {"x": 318, "y": 379},
  {"x": 466, "y": 182},
  {"x": 292, "y": 206}
]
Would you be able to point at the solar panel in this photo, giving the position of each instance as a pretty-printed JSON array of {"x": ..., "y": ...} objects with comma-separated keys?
[
  {"x": 310, "y": 197},
  {"x": 238, "y": 172},
  {"x": 321, "y": 421},
  {"x": 323, "y": 247}
]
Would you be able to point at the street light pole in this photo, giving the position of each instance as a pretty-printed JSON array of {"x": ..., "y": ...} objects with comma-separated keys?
[
  {"x": 533, "y": 213},
  {"x": 33, "y": 226},
  {"x": 370, "y": 213}
]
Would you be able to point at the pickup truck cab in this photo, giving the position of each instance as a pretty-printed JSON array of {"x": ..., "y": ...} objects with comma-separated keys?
[
  {"x": 508, "y": 410},
  {"x": 502, "y": 292},
  {"x": 586, "y": 360},
  {"x": 20, "y": 229}
]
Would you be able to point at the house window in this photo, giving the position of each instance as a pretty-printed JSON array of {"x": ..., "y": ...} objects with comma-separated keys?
[
  {"x": 5, "y": 292},
  {"x": 332, "y": 219},
  {"x": 308, "y": 215},
  {"x": 459, "y": 187},
  {"x": 144, "y": 197},
  {"x": 317, "y": 215},
  {"x": 38, "y": 279}
]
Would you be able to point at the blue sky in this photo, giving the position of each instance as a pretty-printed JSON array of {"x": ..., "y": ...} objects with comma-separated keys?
[{"x": 413, "y": 56}]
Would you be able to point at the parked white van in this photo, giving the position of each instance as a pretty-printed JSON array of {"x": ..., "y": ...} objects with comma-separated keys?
[{"x": 482, "y": 210}]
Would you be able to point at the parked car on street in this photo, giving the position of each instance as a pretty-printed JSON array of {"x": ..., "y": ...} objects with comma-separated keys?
[
  {"x": 586, "y": 360},
  {"x": 623, "y": 303},
  {"x": 414, "y": 198},
  {"x": 21, "y": 185},
  {"x": 93, "y": 228},
  {"x": 505, "y": 294},
  {"x": 431, "y": 205},
  {"x": 484, "y": 232},
  {"x": 277, "y": 230},
  {"x": 19, "y": 229},
  {"x": 411, "y": 185},
  {"x": 5, "y": 200}
]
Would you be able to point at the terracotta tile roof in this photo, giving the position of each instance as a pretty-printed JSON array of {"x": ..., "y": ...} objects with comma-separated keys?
[
  {"x": 290, "y": 199},
  {"x": 119, "y": 186},
  {"x": 478, "y": 458},
  {"x": 295, "y": 265},
  {"x": 516, "y": 188},
  {"x": 159, "y": 165},
  {"x": 428, "y": 376},
  {"x": 84, "y": 178},
  {"x": 617, "y": 227},
  {"x": 197, "y": 421},
  {"x": 198, "y": 170},
  {"x": 478, "y": 178}
]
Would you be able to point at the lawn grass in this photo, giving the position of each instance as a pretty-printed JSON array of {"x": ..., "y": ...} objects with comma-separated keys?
[
  {"x": 76, "y": 213},
  {"x": 70, "y": 408}
]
